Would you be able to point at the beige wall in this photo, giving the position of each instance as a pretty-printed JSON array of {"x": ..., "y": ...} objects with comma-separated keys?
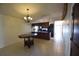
[
  {"x": 2, "y": 32},
  {"x": 10, "y": 28},
  {"x": 13, "y": 27}
]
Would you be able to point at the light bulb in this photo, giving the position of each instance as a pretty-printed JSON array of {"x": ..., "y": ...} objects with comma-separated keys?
[
  {"x": 25, "y": 18},
  {"x": 30, "y": 18}
]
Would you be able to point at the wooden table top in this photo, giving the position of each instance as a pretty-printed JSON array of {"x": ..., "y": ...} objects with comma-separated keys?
[{"x": 25, "y": 35}]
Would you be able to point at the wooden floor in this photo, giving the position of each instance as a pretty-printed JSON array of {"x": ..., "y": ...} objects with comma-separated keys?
[{"x": 41, "y": 48}]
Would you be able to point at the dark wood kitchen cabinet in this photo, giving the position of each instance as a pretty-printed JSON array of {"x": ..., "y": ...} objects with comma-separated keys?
[{"x": 41, "y": 30}]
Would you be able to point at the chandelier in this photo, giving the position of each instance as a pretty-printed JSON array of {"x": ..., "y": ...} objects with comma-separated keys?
[{"x": 27, "y": 18}]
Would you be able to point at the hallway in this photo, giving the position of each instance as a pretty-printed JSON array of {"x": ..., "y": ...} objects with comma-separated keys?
[{"x": 41, "y": 48}]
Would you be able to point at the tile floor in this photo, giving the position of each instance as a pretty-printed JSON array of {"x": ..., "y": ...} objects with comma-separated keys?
[{"x": 41, "y": 47}]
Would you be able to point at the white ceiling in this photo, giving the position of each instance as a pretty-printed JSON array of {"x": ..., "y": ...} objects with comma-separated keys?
[{"x": 36, "y": 10}]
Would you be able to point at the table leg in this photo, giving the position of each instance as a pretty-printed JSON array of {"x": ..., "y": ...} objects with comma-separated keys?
[
  {"x": 29, "y": 45},
  {"x": 29, "y": 42},
  {"x": 24, "y": 42}
]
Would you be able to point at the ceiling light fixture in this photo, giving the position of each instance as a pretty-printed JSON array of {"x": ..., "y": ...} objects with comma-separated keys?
[{"x": 27, "y": 18}]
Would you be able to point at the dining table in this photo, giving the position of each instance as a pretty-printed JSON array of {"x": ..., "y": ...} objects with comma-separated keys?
[{"x": 28, "y": 39}]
